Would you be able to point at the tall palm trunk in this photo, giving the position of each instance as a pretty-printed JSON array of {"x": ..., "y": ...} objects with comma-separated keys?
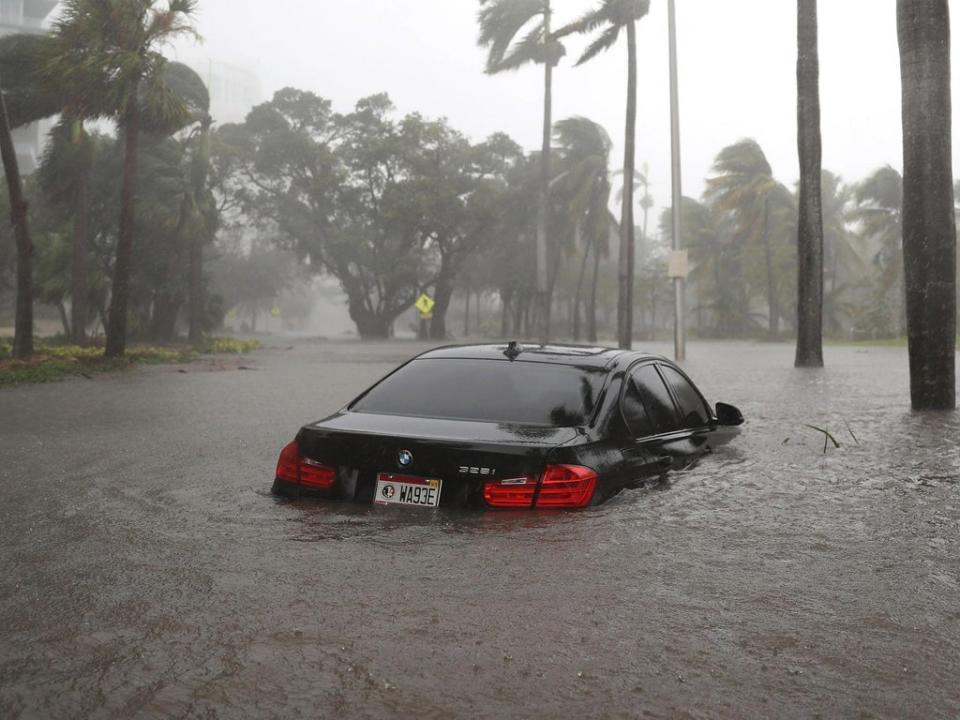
[
  {"x": 929, "y": 224},
  {"x": 78, "y": 266},
  {"x": 117, "y": 322},
  {"x": 627, "y": 232},
  {"x": 810, "y": 228},
  {"x": 543, "y": 205},
  {"x": 23, "y": 332}
]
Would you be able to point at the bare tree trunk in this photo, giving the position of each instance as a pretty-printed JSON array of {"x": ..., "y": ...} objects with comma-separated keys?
[
  {"x": 810, "y": 227},
  {"x": 466, "y": 314},
  {"x": 929, "y": 224},
  {"x": 23, "y": 332},
  {"x": 627, "y": 230},
  {"x": 117, "y": 323}
]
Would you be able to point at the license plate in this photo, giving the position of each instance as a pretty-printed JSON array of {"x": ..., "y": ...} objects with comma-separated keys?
[{"x": 406, "y": 490}]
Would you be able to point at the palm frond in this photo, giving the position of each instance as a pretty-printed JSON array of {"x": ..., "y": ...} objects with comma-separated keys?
[
  {"x": 501, "y": 22},
  {"x": 606, "y": 40}
]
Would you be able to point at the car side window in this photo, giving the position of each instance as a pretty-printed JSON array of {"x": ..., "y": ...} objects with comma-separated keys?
[
  {"x": 656, "y": 399},
  {"x": 634, "y": 413},
  {"x": 693, "y": 411}
]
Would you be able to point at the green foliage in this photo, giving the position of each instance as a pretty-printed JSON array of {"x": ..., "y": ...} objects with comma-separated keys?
[
  {"x": 388, "y": 206},
  {"x": 229, "y": 345},
  {"x": 610, "y": 16},
  {"x": 513, "y": 33},
  {"x": 54, "y": 361}
]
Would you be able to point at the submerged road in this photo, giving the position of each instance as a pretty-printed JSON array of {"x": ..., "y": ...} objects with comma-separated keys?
[{"x": 146, "y": 571}]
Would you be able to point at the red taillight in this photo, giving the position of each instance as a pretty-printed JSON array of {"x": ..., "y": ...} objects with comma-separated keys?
[
  {"x": 562, "y": 486},
  {"x": 315, "y": 475},
  {"x": 515, "y": 493},
  {"x": 288, "y": 464},
  {"x": 293, "y": 468},
  {"x": 566, "y": 486}
]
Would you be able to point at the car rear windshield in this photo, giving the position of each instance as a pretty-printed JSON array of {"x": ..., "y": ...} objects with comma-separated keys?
[{"x": 500, "y": 391}]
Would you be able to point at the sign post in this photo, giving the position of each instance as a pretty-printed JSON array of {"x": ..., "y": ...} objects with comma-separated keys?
[{"x": 425, "y": 305}]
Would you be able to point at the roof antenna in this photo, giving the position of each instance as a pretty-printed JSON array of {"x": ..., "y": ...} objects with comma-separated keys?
[{"x": 513, "y": 350}]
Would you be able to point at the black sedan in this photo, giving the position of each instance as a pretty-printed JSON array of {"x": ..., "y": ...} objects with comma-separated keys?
[{"x": 508, "y": 426}]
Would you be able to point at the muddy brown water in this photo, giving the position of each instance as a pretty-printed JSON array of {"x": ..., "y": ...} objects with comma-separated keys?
[{"x": 145, "y": 570}]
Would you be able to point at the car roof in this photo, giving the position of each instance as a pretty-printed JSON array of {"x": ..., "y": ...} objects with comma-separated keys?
[{"x": 558, "y": 354}]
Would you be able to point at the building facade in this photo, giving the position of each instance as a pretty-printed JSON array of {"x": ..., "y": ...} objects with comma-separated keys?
[{"x": 27, "y": 16}]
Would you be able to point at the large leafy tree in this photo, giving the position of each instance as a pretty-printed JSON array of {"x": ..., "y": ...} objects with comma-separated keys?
[
  {"x": 389, "y": 207},
  {"x": 107, "y": 54},
  {"x": 611, "y": 18},
  {"x": 810, "y": 236},
  {"x": 517, "y": 33},
  {"x": 929, "y": 224}
]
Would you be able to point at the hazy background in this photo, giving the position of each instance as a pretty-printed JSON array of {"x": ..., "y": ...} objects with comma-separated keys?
[{"x": 737, "y": 65}]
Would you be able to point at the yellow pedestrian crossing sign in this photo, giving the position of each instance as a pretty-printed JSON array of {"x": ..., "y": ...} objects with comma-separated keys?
[{"x": 425, "y": 304}]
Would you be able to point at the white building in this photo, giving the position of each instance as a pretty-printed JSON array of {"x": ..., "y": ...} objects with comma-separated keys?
[{"x": 27, "y": 16}]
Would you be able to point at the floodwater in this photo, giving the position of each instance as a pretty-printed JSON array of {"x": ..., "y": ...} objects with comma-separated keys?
[{"x": 147, "y": 572}]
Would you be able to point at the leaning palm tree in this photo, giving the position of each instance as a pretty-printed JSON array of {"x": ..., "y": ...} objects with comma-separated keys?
[
  {"x": 929, "y": 225},
  {"x": 583, "y": 185},
  {"x": 810, "y": 218},
  {"x": 744, "y": 193},
  {"x": 614, "y": 16},
  {"x": 107, "y": 52},
  {"x": 516, "y": 33}
]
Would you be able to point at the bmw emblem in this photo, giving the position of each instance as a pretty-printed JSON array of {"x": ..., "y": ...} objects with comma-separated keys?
[{"x": 405, "y": 458}]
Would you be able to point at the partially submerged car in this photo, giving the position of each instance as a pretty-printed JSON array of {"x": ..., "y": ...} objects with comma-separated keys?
[{"x": 508, "y": 426}]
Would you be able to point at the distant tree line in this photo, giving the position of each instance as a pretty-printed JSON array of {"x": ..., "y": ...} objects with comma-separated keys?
[{"x": 115, "y": 232}]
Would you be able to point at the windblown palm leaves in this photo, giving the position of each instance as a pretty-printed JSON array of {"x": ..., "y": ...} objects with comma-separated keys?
[
  {"x": 513, "y": 31},
  {"x": 609, "y": 18}
]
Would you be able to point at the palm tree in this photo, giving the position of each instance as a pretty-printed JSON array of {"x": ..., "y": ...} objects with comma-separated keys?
[
  {"x": 23, "y": 333},
  {"x": 878, "y": 213},
  {"x": 613, "y": 16},
  {"x": 810, "y": 217},
  {"x": 502, "y": 23},
  {"x": 107, "y": 53},
  {"x": 929, "y": 224},
  {"x": 843, "y": 263},
  {"x": 744, "y": 192},
  {"x": 584, "y": 187}
]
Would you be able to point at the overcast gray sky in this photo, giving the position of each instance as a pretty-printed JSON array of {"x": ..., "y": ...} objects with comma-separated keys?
[{"x": 737, "y": 67}]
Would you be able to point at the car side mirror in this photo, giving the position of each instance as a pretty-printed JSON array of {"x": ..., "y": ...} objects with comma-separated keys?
[{"x": 729, "y": 414}]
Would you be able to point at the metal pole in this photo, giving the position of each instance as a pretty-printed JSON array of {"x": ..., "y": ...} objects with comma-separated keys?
[{"x": 679, "y": 335}]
